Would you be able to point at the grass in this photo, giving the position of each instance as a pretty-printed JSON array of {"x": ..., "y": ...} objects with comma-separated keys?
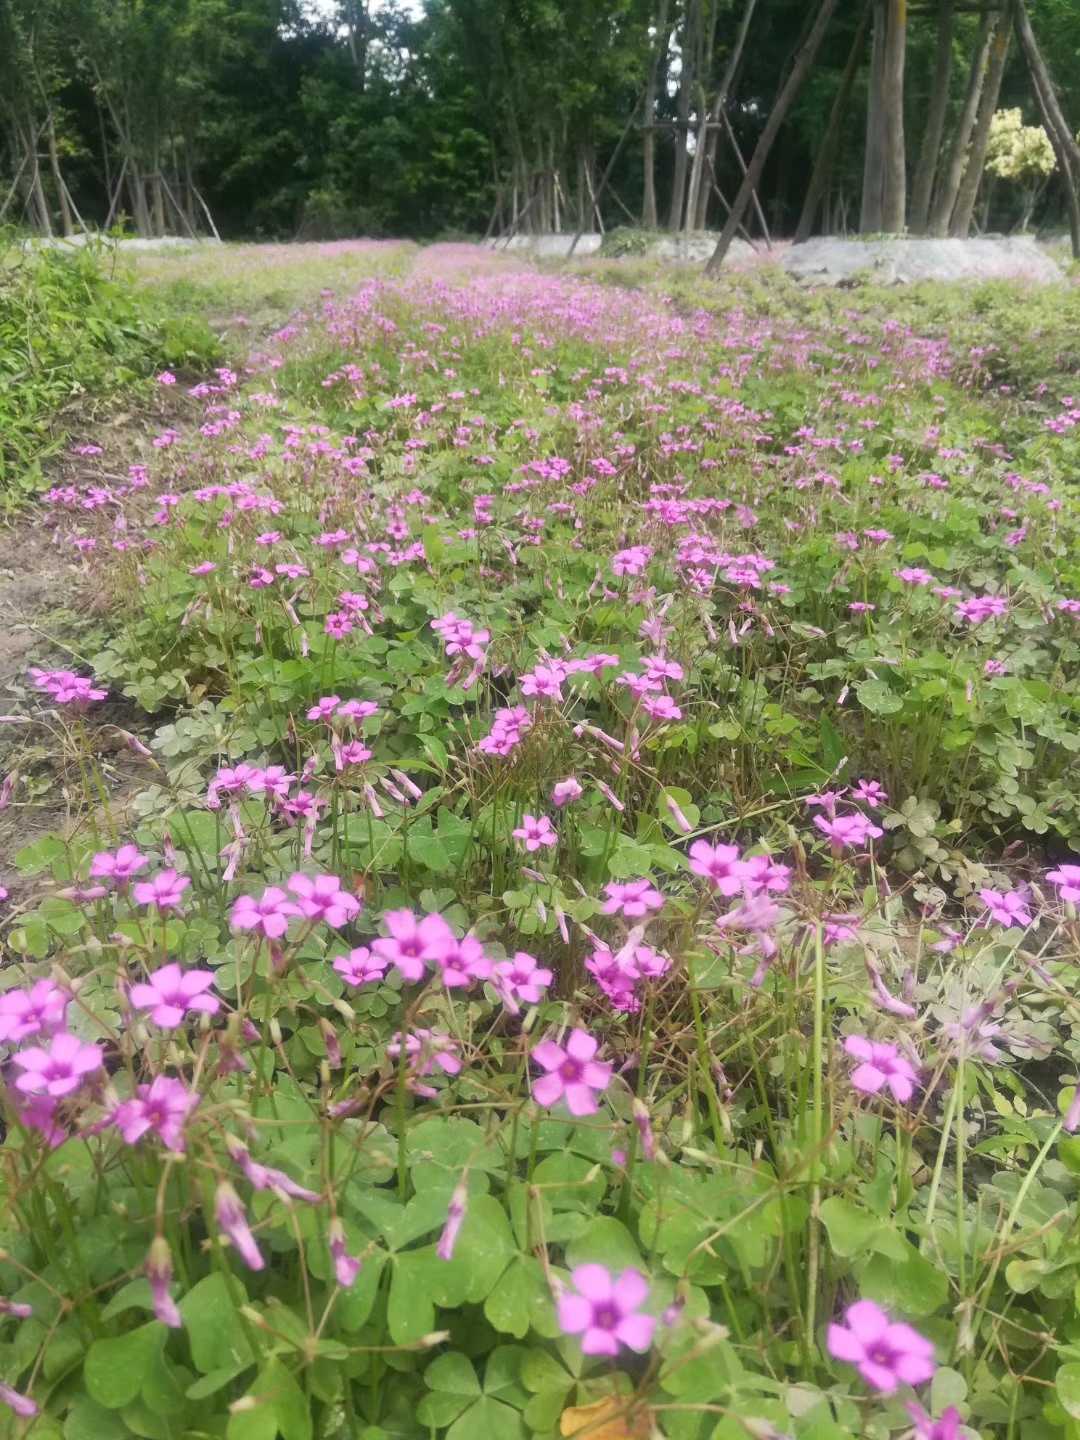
[{"x": 673, "y": 690}]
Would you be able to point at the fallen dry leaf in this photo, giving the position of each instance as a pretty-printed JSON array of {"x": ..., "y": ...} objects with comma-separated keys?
[{"x": 607, "y": 1419}]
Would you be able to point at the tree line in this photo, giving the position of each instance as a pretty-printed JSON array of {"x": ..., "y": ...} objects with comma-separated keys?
[{"x": 266, "y": 118}]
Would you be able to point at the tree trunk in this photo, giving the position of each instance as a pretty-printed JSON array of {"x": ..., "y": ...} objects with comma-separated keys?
[
  {"x": 648, "y": 211},
  {"x": 960, "y": 223},
  {"x": 682, "y": 130},
  {"x": 800, "y": 68},
  {"x": 874, "y": 155},
  {"x": 826, "y": 156},
  {"x": 894, "y": 181},
  {"x": 944, "y": 201},
  {"x": 1053, "y": 117},
  {"x": 58, "y": 179},
  {"x": 698, "y": 196},
  {"x": 935, "y": 121}
]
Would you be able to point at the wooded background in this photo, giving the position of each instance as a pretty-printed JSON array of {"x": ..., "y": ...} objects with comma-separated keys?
[{"x": 262, "y": 118}]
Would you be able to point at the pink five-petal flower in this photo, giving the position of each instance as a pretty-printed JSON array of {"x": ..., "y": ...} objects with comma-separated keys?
[
  {"x": 632, "y": 899},
  {"x": 270, "y": 913},
  {"x": 38, "y": 1011},
  {"x": 165, "y": 890},
  {"x": 945, "y": 1427},
  {"x": 1007, "y": 907},
  {"x": 887, "y": 1353},
  {"x": 719, "y": 864},
  {"x": 1066, "y": 879},
  {"x": 534, "y": 832},
  {"x": 162, "y": 1106},
  {"x": 170, "y": 993},
  {"x": 119, "y": 865},
  {"x": 882, "y": 1067},
  {"x": 321, "y": 897},
  {"x": 572, "y": 1073},
  {"x": 605, "y": 1311},
  {"x": 58, "y": 1068},
  {"x": 360, "y": 966},
  {"x": 565, "y": 791},
  {"x": 413, "y": 943}
]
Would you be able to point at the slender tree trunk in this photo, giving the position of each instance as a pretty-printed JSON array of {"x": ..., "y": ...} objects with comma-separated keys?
[
  {"x": 659, "y": 63},
  {"x": 960, "y": 223},
  {"x": 800, "y": 68},
  {"x": 682, "y": 131},
  {"x": 58, "y": 179},
  {"x": 874, "y": 155},
  {"x": 698, "y": 196},
  {"x": 826, "y": 156},
  {"x": 948, "y": 186},
  {"x": 1053, "y": 117},
  {"x": 930, "y": 149},
  {"x": 894, "y": 186}
]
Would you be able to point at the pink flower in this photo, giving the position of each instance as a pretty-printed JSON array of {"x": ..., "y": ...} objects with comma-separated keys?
[
  {"x": 564, "y": 791},
  {"x": 270, "y": 913},
  {"x": 761, "y": 873},
  {"x": 323, "y": 709},
  {"x": 162, "y": 1106},
  {"x": 460, "y": 962},
  {"x": 412, "y": 943},
  {"x": 265, "y": 1177},
  {"x": 534, "y": 832},
  {"x": 21, "y": 1405},
  {"x": 572, "y": 1074},
  {"x": 847, "y": 830},
  {"x": 1066, "y": 879},
  {"x": 322, "y": 898},
  {"x": 521, "y": 980},
  {"x": 1007, "y": 907},
  {"x": 232, "y": 1222},
  {"x": 886, "y": 1353},
  {"x": 632, "y": 899},
  {"x": 56, "y": 1069},
  {"x": 166, "y": 378},
  {"x": 37, "y": 1011},
  {"x": 605, "y": 1311},
  {"x": 346, "y": 1266},
  {"x": 455, "y": 1218},
  {"x": 719, "y": 864},
  {"x": 424, "y": 1050},
  {"x": 158, "y": 1270},
  {"x": 870, "y": 792},
  {"x": 119, "y": 866},
  {"x": 164, "y": 890},
  {"x": 170, "y": 993},
  {"x": 360, "y": 966},
  {"x": 882, "y": 1067},
  {"x": 947, "y": 1427}
]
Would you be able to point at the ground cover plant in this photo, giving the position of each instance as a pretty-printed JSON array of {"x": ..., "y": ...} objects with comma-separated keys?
[
  {"x": 595, "y": 949},
  {"x": 76, "y": 333}
]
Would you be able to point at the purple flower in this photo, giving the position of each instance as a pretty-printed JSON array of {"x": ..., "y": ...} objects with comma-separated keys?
[
  {"x": 20, "y": 1404},
  {"x": 232, "y": 1222},
  {"x": 521, "y": 980},
  {"x": 170, "y": 993},
  {"x": 120, "y": 865},
  {"x": 265, "y": 1177},
  {"x": 572, "y": 1074},
  {"x": 37, "y": 1011},
  {"x": 564, "y": 791},
  {"x": 635, "y": 898},
  {"x": 847, "y": 830},
  {"x": 346, "y": 1266},
  {"x": 605, "y": 1312},
  {"x": 1007, "y": 907},
  {"x": 1066, "y": 878},
  {"x": 158, "y": 1270},
  {"x": 162, "y": 1106},
  {"x": 882, "y": 1067},
  {"x": 164, "y": 890},
  {"x": 946, "y": 1427},
  {"x": 360, "y": 966},
  {"x": 455, "y": 1218},
  {"x": 887, "y": 1353},
  {"x": 270, "y": 913},
  {"x": 533, "y": 832},
  {"x": 719, "y": 864},
  {"x": 322, "y": 898},
  {"x": 56, "y": 1069},
  {"x": 413, "y": 943}
]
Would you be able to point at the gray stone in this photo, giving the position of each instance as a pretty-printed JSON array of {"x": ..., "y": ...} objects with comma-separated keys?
[{"x": 899, "y": 260}]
